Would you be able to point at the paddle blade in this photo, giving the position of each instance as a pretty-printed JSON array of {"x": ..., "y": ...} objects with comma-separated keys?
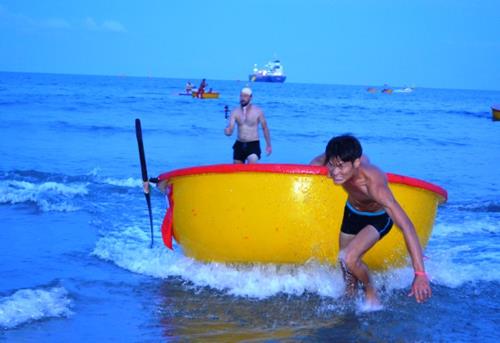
[
  {"x": 144, "y": 171},
  {"x": 148, "y": 201}
]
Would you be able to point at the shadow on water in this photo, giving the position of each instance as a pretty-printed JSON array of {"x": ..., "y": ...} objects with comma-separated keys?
[
  {"x": 188, "y": 314},
  {"x": 204, "y": 314}
]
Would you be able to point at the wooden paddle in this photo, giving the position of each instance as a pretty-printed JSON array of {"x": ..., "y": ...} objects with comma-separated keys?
[{"x": 144, "y": 170}]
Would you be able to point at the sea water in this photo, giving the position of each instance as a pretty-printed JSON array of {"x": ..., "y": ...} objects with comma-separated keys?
[{"x": 75, "y": 262}]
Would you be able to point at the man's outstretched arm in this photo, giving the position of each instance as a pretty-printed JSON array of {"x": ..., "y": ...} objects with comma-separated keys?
[{"x": 383, "y": 195}]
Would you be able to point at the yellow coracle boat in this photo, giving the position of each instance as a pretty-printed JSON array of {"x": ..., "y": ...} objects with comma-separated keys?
[
  {"x": 495, "y": 111},
  {"x": 207, "y": 95},
  {"x": 279, "y": 213}
]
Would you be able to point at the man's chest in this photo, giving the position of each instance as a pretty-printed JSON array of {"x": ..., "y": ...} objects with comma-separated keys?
[{"x": 247, "y": 118}]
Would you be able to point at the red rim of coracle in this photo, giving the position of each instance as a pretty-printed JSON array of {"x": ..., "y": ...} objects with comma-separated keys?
[{"x": 292, "y": 169}]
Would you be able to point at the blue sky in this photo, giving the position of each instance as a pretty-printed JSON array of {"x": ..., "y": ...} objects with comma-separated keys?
[{"x": 440, "y": 43}]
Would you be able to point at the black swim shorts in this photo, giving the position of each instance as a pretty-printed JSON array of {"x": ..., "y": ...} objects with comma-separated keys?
[
  {"x": 241, "y": 150},
  {"x": 354, "y": 221}
]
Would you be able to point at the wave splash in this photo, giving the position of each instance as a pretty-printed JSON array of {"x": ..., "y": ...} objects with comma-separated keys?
[
  {"x": 27, "y": 305},
  {"x": 48, "y": 196},
  {"x": 58, "y": 192},
  {"x": 129, "y": 249}
]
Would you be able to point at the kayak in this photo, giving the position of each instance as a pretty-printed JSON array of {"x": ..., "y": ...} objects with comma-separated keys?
[
  {"x": 279, "y": 213},
  {"x": 495, "y": 111},
  {"x": 213, "y": 95}
]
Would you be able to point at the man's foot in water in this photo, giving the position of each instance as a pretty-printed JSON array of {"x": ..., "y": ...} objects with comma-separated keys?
[{"x": 372, "y": 302}]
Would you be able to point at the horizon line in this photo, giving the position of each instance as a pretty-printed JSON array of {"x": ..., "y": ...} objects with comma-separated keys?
[{"x": 237, "y": 80}]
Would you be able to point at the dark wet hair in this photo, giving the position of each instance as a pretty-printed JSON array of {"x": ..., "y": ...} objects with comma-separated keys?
[{"x": 345, "y": 147}]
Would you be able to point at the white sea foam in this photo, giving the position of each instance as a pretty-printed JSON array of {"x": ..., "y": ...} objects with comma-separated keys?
[
  {"x": 365, "y": 307},
  {"x": 449, "y": 267},
  {"x": 33, "y": 304},
  {"x": 94, "y": 172},
  {"x": 465, "y": 252},
  {"x": 129, "y": 249},
  {"x": 129, "y": 182},
  {"x": 472, "y": 226},
  {"x": 122, "y": 182},
  {"x": 48, "y": 196}
]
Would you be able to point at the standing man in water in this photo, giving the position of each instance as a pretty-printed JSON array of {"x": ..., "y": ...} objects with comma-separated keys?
[
  {"x": 248, "y": 117},
  {"x": 369, "y": 214}
]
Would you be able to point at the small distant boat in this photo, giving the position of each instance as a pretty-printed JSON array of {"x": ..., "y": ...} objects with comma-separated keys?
[
  {"x": 495, "y": 112},
  {"x": 272, "y": 72},
  {"x": 404, "y": 90},
  {"x": 387, "y": 90},
  {"x": 207, "y": 95},
  {"x": 371, "y": 90}
]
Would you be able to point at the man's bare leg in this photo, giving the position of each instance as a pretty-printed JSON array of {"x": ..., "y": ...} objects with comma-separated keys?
[
  {"x": 352, "y": 252},
  {"x": 252, "y": 158},
  {"x": 351, "y": 282}
]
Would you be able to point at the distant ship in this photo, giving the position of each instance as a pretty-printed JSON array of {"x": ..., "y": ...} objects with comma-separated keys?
[{"x": 272, "y": 72}]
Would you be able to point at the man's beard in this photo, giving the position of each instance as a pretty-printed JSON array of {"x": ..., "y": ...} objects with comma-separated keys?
[{"x": 244, "y": 103}]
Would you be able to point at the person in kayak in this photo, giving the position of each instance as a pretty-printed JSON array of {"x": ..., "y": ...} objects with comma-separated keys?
[
  {"x": 369, "y": 214},
  {"x": 201, "y": 88},
  {"x": 189, "y": 87},
  {"x": 248, "y": 117}
]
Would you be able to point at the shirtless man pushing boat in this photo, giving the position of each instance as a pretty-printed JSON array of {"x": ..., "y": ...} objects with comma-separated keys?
[
  {"x": 248, "y": 117},
  {"x": 369, "y": 214}
]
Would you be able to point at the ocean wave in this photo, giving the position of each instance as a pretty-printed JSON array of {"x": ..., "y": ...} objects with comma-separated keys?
[
  {"x": 48, "y": 196},
  {"x": 129, "y": 249},
  {"x": 459, "y": 265},
  {"x": 128, "y": 182},
  {"x": 36, "y": 176},
  {"x": 94, "y": 128},
  {"x": 361, "y": 109},
  {"x": 488, "y": 207},
  {"x": 13, "y": 102},
  {"x": 109, "y": 129},
  {"x": 476, "y": 114},
  {"x": 466, "y": 228},
  {"x": 27, "y": 305},
  {"x": 67, "y": 184}
]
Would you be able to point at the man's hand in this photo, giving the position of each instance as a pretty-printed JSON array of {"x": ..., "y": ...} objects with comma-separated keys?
[
  {"x": 269, "y": 150},
  {"x": 420, "y": 288},
  {"x": 145, "y": 186}
]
